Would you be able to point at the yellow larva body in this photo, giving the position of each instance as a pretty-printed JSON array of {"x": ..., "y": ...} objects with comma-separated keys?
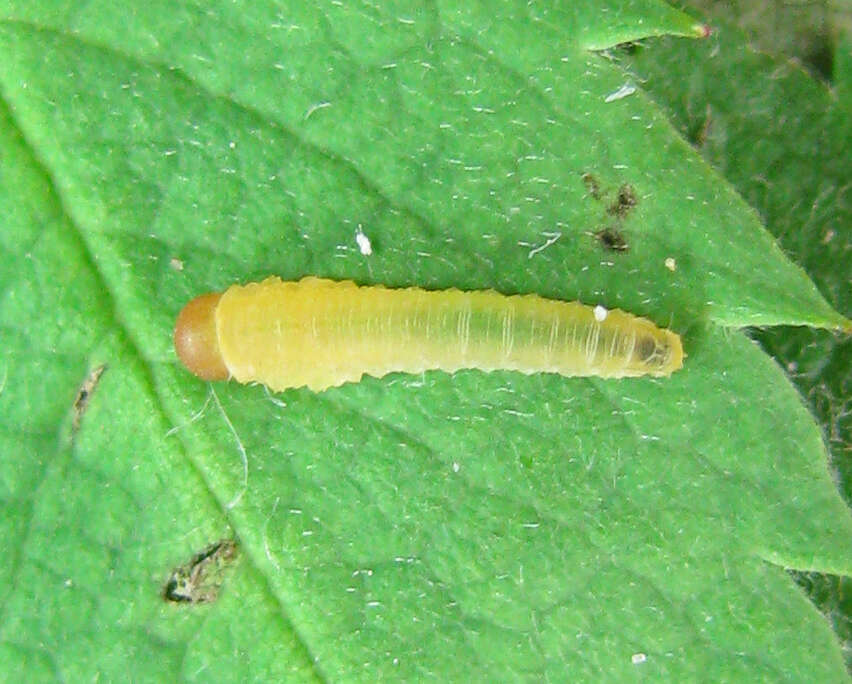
[{"x": 321, "y": 333}]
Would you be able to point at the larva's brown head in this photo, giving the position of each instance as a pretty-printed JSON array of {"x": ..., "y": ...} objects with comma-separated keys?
[{"x": 196, "y": 341}]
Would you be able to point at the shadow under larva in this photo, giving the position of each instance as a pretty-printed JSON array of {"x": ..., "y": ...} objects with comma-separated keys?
[{"x": 322, "y": 333}]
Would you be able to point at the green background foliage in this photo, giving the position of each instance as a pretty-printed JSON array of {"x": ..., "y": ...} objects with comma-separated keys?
[
  {"x": 487, "y": 525},
  {"x": 779, "y": 130}
]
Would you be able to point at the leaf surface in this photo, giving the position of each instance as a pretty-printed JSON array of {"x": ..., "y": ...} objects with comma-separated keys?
[
  {"x": 796, "y": 177},
  {"x": 434, "y": 525}
]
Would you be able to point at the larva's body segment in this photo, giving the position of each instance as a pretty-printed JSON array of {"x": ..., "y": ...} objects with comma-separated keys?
[{"x": 322, "y": 333}]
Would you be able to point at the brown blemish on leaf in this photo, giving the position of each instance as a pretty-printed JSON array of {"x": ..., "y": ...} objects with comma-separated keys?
[
  {"x": 612, "y": 239},
  {"x": 593, "y": 186},
  {"x": 199, "y": 580},
  {"x": 84, "y": 395},
  {"x": 624, "y": 202},
  {"x": 610, "y": 235}
]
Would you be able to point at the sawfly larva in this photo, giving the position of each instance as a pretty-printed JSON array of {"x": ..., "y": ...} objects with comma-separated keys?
[{"x": 323, "y": 333}]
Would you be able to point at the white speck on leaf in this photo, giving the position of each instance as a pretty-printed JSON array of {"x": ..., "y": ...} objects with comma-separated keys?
[
  {"x": 638, "y": 658},
  {"x": 321, "y": 105},
  {"x": 624, "y": 91},
  {"x": 364, "y": 244},
  {"x": 551, "y": 238}
]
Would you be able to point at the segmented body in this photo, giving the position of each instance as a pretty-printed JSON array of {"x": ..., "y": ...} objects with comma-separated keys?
[{"x": 322, "y": 333}]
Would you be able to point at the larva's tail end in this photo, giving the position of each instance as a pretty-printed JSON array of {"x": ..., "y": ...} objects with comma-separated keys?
[
  {"x": 196, "y": 341},
  {"x": 658, "y": 353},
  {"x": 676, "y": 352}
]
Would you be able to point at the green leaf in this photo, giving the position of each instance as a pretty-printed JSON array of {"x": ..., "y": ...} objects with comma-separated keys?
[
  {"x": 797, "y": 178},
  {"x": 487, "y": 525}
]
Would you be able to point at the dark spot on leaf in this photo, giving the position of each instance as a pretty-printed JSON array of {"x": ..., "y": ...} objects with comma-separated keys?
[
  {"x": 199, "y": 580},
  {"x": 624, "y": 202},
  {"x": 84, "y": 394},
  {"x": 593, "y": 186},
  {"x": 612, "y": 239}
]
